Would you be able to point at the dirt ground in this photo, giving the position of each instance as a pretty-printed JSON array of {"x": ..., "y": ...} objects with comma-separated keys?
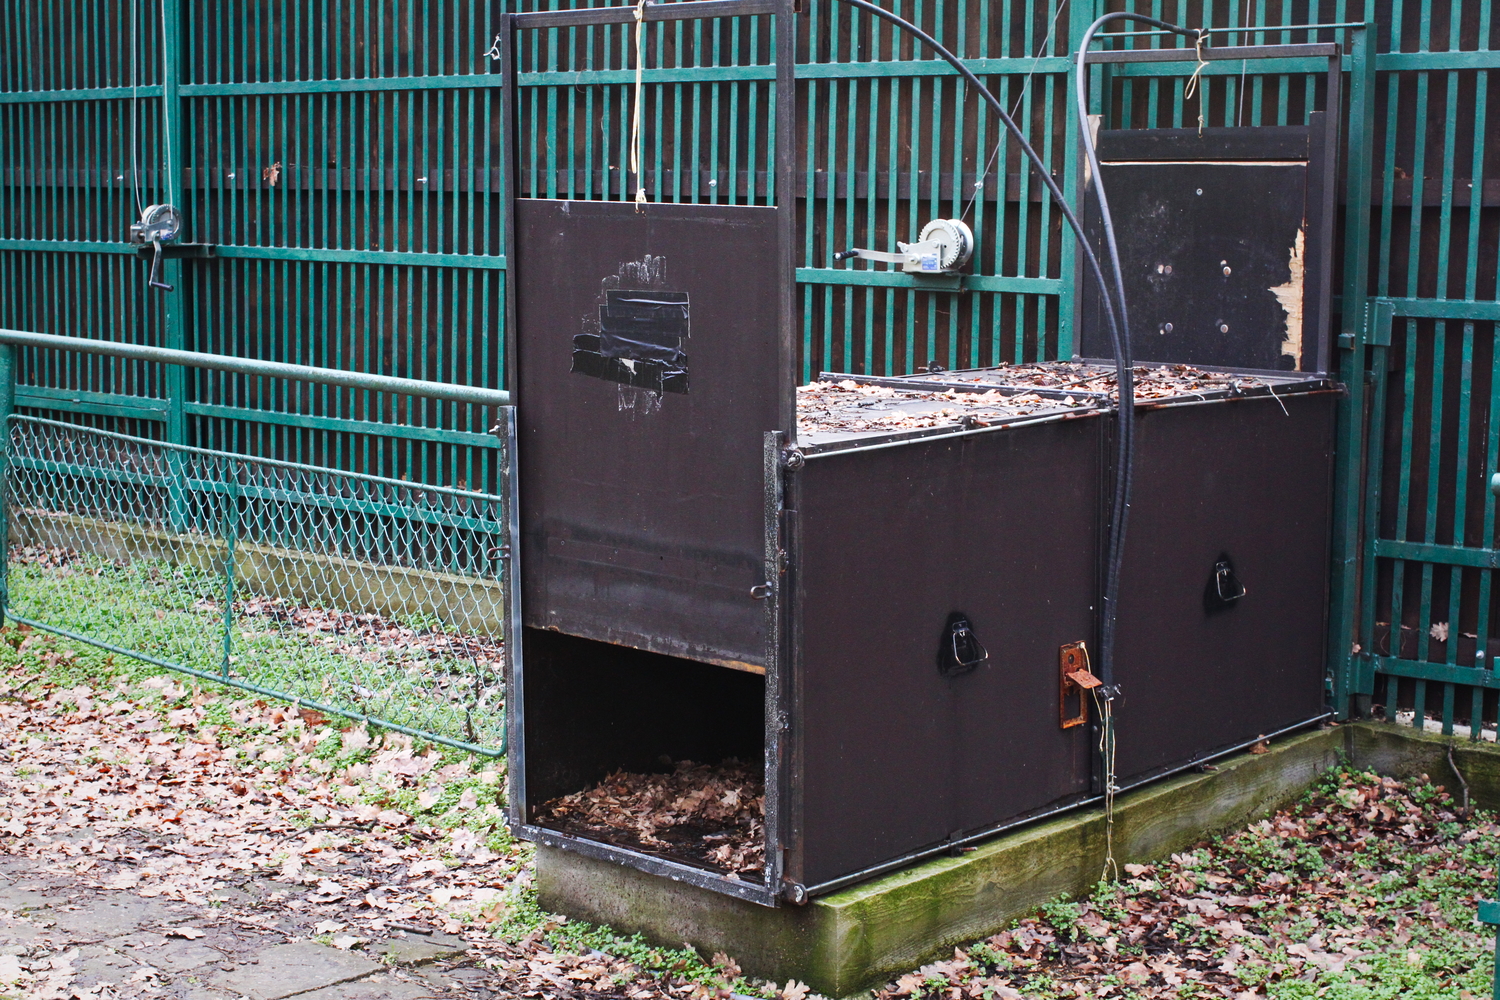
[{"x": 158, "y": 840}]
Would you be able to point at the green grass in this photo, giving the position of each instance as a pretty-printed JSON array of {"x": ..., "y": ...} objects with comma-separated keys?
[{"x": 176, "y": 614}]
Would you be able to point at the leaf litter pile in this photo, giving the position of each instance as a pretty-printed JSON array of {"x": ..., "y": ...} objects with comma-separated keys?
[
  {"x": 849, "y": 406},
  {"x": 244, "y": 825},
  {"x": 989, "y": 396},
  {"x": 1366, "y": 890},
  {"x": 1150, "y": 382},
  {"x": 712, "y": 815}
]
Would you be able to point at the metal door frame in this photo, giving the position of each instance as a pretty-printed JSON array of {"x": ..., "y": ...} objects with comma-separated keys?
[{"x": 783, "y": 13}]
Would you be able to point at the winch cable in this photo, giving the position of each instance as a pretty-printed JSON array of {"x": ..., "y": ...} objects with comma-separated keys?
[
  {"x": 1026, "y": 148},
  {"x": 1125, "y": 423},
  {"x": 1112, "y": 295},
  {"x": 1124, "y": 362},
  {"x": 1119, "y": 325}
]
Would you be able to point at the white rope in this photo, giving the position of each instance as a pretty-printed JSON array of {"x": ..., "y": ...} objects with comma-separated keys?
[
  {"x": 135, "y": 129},
  {"x": 1192, "y": 87},
  {"x": 170, "y": 181},
  {"x": 637, "y": 150},
  {"x": 1026, "y": 83},
  {"x": 1105, "y": 706}
]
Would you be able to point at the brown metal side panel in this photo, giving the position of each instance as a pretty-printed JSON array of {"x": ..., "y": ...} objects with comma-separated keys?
[
  {"x": 641, "y": 509},
  {"x": 1247, "y": 480},
  {"x": 894, "y": 756}
]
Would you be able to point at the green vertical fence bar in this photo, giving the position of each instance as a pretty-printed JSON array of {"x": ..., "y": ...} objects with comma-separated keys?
[
  {"x": 7, "y": 407},
  {"x": 1348, "y": 485}
]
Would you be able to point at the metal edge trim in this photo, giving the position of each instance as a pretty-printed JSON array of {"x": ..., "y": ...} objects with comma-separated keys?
[
  {"x": 832, "y": 885},
  {"x": 681, "y": 11},
  {"x": 761, "y": 894},
  {"x": 813, "y": 451},
  {"x": 1190, "y": 54}
]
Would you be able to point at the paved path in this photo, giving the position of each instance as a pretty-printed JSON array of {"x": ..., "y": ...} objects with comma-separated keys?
[{"x": 70, "y": 942}]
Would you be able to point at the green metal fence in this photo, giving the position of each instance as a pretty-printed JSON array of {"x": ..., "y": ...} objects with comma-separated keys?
[
  {"x": 342, "y": 157},
  {"x": 371, "y": 598}
]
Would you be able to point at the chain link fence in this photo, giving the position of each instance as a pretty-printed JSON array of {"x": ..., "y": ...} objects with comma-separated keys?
[{"x": 371, "y": 598}]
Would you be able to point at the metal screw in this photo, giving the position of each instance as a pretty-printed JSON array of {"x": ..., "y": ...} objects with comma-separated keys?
[
  {"x": 1200, "y": 190},
  {"x": 1166, "y": 328},
  {"x": 1223, "y": 327},
  {"x": 1168, "y": 269},
  {"x": 1226, "y": 272}
]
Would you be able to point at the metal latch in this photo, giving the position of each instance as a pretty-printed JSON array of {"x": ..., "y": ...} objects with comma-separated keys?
[
  {"x": 960, "y": 650},
  {"x": 1075, "y": 681},
  {"x": 943, "y": 247},
  {"x": 1224, "y": 588}
]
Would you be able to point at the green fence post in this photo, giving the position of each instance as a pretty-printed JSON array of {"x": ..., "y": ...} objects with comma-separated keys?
[
  {"x": 173, "y": 302},
  {"x": 1489, "y": 913},
  {"x": 1349, "y": 485},
  {"x": 231, "y": 532},
  {"x": 1080, "y": 16},
  {"x": 7, "y": 407}
]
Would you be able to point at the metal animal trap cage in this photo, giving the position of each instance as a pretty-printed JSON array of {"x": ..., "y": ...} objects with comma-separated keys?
[{"x": 884, "y": 592}]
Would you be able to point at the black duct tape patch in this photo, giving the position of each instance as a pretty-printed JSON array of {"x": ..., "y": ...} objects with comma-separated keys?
[{"x": 639, "y": 340}]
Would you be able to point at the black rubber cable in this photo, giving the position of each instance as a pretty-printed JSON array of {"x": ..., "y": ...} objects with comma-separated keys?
[
  {"x": 1124, "y": 362},
  {"x": 1118, "y": 329}
]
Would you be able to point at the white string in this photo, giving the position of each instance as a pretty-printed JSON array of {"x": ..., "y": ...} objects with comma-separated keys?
[
  {"x": 1026, "y": 83},
  {"x": 637, "y": 150},
  {"x": 1187, "y": 95},
  {"x": 1239, "y": 114},
  {"x": 1107, "y": 751},
  {"x": 135, "y": 138},
  {"x": 1105, "y": 708},
  {"x": 169, "y": 182}
]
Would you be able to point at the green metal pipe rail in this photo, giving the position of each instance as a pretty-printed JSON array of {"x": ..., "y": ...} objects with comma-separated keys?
[
  {"x": 181, "y": 519},
  {"x": 12, "y": 339}
]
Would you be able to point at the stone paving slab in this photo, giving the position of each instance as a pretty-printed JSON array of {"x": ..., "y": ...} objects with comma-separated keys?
[
  {"x": 286, "y": 970},
  {"x": 97, "y": 919},
  {"x": 418, "y": 949},
  {"x": 374, "y": 988}
]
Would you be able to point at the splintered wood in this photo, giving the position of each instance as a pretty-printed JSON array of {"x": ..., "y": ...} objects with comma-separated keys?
[{"x": 701, "y": 814}]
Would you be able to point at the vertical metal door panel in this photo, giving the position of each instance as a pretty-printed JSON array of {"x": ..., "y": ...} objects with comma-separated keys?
[
  {"x": 894, "y": 756},
  {"x": 1248, "y": 480},
  {"x": 642, "y": 510}
]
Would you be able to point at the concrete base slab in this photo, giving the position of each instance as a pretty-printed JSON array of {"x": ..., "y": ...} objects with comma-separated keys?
[{"x": 865, "y": 935}]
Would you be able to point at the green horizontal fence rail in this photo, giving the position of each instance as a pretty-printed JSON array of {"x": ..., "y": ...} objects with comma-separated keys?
[
  {"x": 340, "y": 163},
  {"x": 1421, "y": 647},
  {"x": 380, "y": 600}
]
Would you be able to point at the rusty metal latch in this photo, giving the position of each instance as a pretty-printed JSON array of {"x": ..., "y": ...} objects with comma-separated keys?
[{"x": 1075, "y": 680}]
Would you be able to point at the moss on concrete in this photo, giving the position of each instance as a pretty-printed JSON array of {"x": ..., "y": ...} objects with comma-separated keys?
[
  {"x": 1404, "y": 752},
  {"x": 865, "y": 935},
  {"x": 862, "y": 936}
]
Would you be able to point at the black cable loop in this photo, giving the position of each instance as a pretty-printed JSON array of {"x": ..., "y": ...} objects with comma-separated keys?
[
  {"x": 1114, "y": 300},
  {"x": 1124, "y": 362}
]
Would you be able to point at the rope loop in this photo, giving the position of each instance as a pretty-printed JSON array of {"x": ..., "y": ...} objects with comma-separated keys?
[
  {"x": 1192, "y": 85},
  {"x": 637, "y": 148}
]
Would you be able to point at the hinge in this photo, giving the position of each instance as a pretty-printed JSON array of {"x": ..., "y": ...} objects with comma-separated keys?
[{"x": 1380, "y": 316}]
